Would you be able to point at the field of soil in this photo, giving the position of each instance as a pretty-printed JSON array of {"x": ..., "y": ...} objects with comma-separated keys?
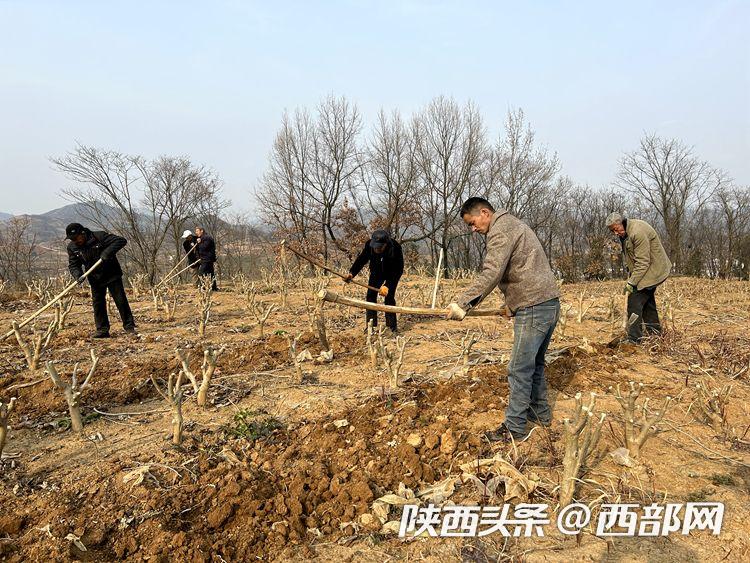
[{"x": 278, "y": 469}]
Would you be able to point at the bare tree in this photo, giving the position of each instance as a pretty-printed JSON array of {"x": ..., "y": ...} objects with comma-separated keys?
[
  {"x": 244, "y": 246},
  {"x": 581, "y": 437},
  {"x": 666, "y": 174},
  {"x": 521, "y": 175},
  {"x": 450, "y": 149},
  {"x": 109, "y": 195},
  {"x": 208, "y": 367},
  {"x": 36, "y": 344},
  {"x": 390, "y": 176},
  {"x": 335, "y": 162},
  {"x": 172, "y": 394},
  {"x": 324, "y": 190},
  {"x": 187, "y": 192},
  {"x": 639, "y": 422},
  {"x": 314, "y": 164},
  {"x": 18, "y": 248},
  {"x": 734, "y": 209},
  {"x": 144, "y": 201},
  {"x": 283, "y": 193},
  {"x": 583, "y": 247}
]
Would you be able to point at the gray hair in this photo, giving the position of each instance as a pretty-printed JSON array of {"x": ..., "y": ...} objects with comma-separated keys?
[{"x": 613, "y": 218}]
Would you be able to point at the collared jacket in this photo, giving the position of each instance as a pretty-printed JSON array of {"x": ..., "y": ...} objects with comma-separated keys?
[
  {"x": 387, "y": 267},
  {"x": 516, "y": 263},
  {"x": 647, "y": 261},
  {"x": 206, "y": 249},
  {"x": 99, "y": 244}
]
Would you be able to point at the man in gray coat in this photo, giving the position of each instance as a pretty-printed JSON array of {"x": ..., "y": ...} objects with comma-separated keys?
[
  {"x": 516, "y": 263},
  {"x": 648, "y": 266}
]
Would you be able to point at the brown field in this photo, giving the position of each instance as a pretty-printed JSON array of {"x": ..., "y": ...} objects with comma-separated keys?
[{"x": 264, "y": 473}]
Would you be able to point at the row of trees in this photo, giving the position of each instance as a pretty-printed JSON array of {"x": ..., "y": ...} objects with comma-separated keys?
[{"x": 329, "y": 182}]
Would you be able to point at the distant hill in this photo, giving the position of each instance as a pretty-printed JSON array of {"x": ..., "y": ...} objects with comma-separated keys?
[{"x": 51, "y": 225}]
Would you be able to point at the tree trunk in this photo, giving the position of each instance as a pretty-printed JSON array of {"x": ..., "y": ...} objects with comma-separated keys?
[{"x": 177, "y": 423}]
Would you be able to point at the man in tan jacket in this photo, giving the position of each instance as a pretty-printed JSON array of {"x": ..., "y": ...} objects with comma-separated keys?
[
  {"x": 516, "y": 263},
  {"x": 648, "y": 266}
]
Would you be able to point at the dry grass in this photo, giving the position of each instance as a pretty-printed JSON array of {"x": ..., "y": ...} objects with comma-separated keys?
[{"x": 456, "y": 377}]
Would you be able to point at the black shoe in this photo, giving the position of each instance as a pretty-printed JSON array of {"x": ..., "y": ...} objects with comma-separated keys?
[
  {"x": 394, "y": 330},
  {"x": 130, "y": 330},
  {"x": 504, "y": 435},
  {"x": 101, "y": 334}
]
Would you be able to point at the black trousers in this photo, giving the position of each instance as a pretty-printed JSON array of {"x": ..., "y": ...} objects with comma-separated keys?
[
  {"x": 99, "y": 299},
  {"x": 207, "y": 269},
  {"x": 372, "y": 297},
  {"x": 642, "y": 303}
]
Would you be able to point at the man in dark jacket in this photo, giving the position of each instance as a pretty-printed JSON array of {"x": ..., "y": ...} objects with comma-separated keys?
[
  {"x": 206, "y": 251},
  {"x": 386, "y": 267},
  {"x": 84, "y": 249},
  {"x": 189, "y": 243}
]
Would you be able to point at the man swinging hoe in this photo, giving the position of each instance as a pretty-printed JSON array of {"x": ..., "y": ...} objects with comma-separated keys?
[
  {"x": 86, "y": 247},
  {"x": 517, "y": 264}
]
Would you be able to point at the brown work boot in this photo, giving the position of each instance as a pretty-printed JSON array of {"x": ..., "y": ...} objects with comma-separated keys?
[{"x": 503, "y": 434}]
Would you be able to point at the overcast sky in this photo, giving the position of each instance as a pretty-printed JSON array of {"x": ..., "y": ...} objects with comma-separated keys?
[{"x": 210, "y": 80}]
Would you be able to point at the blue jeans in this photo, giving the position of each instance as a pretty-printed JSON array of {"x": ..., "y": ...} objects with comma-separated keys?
[{"x": 528, "y": 390}]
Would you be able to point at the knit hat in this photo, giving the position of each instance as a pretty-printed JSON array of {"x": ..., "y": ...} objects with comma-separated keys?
[{"x": 613, "y": 218}]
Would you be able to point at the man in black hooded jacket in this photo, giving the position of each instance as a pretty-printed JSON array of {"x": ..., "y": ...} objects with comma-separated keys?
[
  {"x": 84, "y": 249},
  {"x": 386, "y": 261}
]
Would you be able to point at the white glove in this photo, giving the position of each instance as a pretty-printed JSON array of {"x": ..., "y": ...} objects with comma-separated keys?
[{"x": 455, "y": 313}]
